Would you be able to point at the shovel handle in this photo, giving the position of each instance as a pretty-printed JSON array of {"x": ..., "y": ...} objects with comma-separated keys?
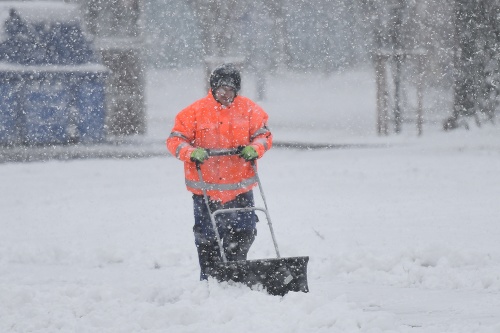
[
  {"x": 226, "y": 152},
  {"x": 212, "y": 217}
]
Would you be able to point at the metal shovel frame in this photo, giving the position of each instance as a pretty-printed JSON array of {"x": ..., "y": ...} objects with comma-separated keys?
[{"x": 277, "y": 275}]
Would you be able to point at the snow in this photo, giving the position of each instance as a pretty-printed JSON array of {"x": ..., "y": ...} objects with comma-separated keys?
[{"x": 402, "y": 231}]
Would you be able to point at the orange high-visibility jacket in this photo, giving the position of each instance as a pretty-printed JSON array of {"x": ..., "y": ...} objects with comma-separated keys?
[{"x": 207, "y": 124}]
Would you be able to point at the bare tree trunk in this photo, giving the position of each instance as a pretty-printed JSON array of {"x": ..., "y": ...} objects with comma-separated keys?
[
  {"x": 381, "y": 75},
  {"x": 116, "y": 25},
  {"x": 462, "y": 50},
  {"x": 281, "y": 35},
  {"x": 397, "y": 44},
  {"x": 420, "y": 94}
]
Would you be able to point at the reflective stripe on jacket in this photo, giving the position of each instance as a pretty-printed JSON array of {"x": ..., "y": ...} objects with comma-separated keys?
[{"x": 207, "y": 124}]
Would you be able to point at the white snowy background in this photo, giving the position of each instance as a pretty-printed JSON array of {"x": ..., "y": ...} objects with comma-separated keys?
[{"x": 402, "y": 232}]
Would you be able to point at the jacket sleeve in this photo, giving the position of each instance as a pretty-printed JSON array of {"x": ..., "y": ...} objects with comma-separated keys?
[
  {"x": 180, "y": 140},
  {"x": 261, "y": 137}
]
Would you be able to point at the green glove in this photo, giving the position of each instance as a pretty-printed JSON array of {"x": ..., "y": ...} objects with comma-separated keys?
[
  {"x": 199, "y": 155},
  {"x": 249, "y": 153}
]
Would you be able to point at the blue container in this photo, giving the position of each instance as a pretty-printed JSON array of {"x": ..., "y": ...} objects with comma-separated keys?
[
  {"x": 51, "y": 83},
  {"x": 9, "y": 91},
  {"x": 90, "y": 97},
  {"x": 46, "y": 110}
]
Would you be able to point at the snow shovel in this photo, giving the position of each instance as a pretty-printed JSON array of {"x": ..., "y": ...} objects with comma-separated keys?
[{"x": 277, "y": 275}]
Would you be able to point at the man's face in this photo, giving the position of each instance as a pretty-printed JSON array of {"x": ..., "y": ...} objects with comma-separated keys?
[{"x": 225, "y": 95}]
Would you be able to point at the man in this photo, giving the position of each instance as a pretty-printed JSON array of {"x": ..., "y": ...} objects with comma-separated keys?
[{"x": 221, "y": 120}]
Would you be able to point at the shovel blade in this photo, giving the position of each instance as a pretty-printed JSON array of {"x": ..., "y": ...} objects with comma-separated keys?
[{"x": 278, "y": 275}]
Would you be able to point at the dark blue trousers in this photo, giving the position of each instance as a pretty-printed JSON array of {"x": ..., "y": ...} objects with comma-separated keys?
[{"x": 236, "y": 229}]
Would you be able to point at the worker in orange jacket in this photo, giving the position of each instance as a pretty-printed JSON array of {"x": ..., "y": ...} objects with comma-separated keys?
[{"x": 222, "y": 120}]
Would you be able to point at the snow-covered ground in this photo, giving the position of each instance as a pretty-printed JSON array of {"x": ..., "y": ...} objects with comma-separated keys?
[{"x": 403, "y": 233}]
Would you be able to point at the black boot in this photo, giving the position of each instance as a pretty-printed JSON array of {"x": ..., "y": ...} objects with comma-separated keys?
[
  {"x": 208, "y": 256},
  {"x": 237, "y": 244}
]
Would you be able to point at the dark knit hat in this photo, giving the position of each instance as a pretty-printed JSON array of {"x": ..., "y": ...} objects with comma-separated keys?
[{"x": 225, "y": 75}]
